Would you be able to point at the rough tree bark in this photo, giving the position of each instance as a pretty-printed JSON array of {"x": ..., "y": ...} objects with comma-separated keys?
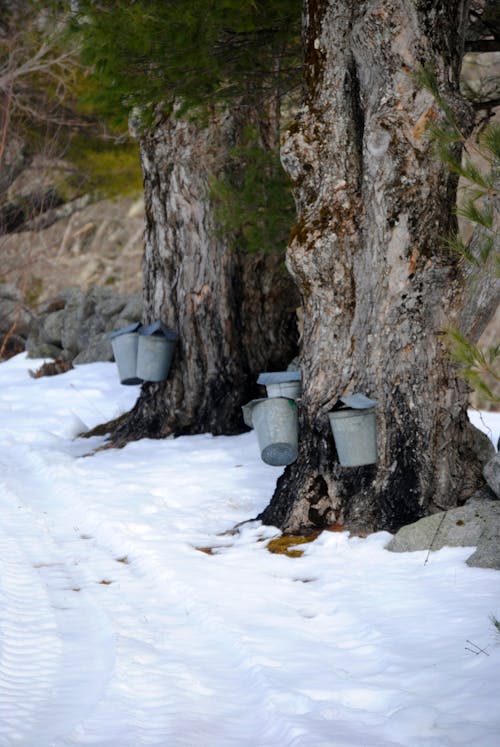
[
  {"x": 378, "y": 288},
  {"x": 235, "y": 313}
]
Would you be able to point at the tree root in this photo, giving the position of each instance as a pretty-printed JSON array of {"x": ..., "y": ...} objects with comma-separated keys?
[{"x": 104, "y": 428}]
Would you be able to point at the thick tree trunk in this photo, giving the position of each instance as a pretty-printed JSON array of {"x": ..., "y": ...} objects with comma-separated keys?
[
  {"x": 235, "y": 314},
  {"x": 378, "y": 288}
]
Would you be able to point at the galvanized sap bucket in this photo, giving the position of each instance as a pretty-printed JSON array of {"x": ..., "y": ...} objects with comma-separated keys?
[
  {"x": 282, "y": 383},
  {"x": 155, "y": 350},
  {"x": 354, "y": 430},
  {"x": 124, "y": 343},
  {"x": 276, "y": 425}
]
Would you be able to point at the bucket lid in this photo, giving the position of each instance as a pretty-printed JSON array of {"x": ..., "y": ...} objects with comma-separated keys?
[
  {"x": 278, "y": 377},
  {"x": 126, "y": 330},
  {"x": 158, "y": 328},
  {"x": 356, "y": 401}
]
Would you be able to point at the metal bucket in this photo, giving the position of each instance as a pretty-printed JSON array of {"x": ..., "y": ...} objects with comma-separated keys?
[
  {"x": 154, "y": 356},
  {"x": 282, "y": 383},
  {"x": 276, "y": 425},
  {"x": 124, "y": 343},
  {"x": 355, "y": 435},
  {"x": 155, "y": 351}
]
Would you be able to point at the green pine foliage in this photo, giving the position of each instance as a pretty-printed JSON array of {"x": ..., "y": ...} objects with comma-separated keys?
[
  {"x": 477, "y": 366},
  {"x": 491, "y": 140},
  {"x": 480, "y": 206},
  {"x": 253, "y": 199},
  {"x": 496, "y": 623},
  {"x": 200, "y": 54},
  {"x": 150, "y": 53}
]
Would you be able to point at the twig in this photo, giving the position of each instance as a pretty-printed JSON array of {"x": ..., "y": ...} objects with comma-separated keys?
[
  {"x": 486, "y": 427},
  {"x": 435, "y": 535},
  {"x": 476, "y": 650},
  {"x": 6, "y": 122}
]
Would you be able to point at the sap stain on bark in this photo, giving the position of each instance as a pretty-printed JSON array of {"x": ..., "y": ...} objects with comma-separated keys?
[
  {"x": 401, "y": 500},
  {"x": 353, "y": 95}
]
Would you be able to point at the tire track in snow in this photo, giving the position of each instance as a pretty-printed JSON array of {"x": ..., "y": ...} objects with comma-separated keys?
[
  {"x": 205, "y": 685},
  {"x": 29, "y": 644},
  {"x": 181, "y": 678},
  {"x": 55, "y": 644}
]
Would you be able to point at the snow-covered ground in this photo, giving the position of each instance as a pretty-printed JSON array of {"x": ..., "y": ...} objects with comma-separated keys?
[{"x": 117, "y": 630}]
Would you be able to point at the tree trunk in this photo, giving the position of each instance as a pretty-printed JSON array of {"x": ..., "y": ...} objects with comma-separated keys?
[
  {"x": 235, "y": 314},
  {"x": 378, "y": 288}
]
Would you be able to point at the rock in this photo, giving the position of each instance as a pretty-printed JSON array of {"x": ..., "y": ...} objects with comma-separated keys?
[
  {"x": 111, "y": 304},
  {"x": 73, "y": 317},
  {"x": 491, "y": 472},
  {"x": 477, "y": 524},
  {"x": 15, "y": 317},
  {"x": 39, "y": 349},
  {"x": 484, "y": 493},
  {"x": 480, "y": 444},
  {"x": 487, "y": 554},
  {"x": 9, "y": 292},
  {"x": 70, "y": 333},
  {"x": 52, "y": 326},
  {"x": 98, "y": 349},
  {"x": 131, "y": 313},
  {"x": 75, "y": 326}
]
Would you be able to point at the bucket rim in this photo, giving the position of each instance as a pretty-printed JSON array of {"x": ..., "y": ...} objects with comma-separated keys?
[
  {"x": 159, "y": 329},
  {"x": 278, "y": 377},
  {"x": 131, "y": 329},
  {"x": 350, "y": 412}
]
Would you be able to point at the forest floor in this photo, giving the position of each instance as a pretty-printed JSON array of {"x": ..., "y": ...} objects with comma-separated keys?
[{"x": 131, "y": 614}]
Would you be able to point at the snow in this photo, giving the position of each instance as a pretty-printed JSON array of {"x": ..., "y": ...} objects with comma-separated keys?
[
  {"x": 131, "y": 615},
  {"x": 488, "y": 422}
]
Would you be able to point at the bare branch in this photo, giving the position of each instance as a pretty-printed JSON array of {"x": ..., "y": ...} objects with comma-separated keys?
[
  {"x": 5, "y": 123},
  {"x": 39, "y": 62},
  {"x": 481, "y": 105}
]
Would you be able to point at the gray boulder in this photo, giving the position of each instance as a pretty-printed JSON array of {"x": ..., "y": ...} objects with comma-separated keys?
[
  {"x": 98, "y": 349},
  {"x": 477, "y": 524},
  {"x": 41, "y": 349},
  {"x": 480, "y": 443},
  {"x": 52, "y": 326},
  {"x": 131, "y": 312},
  {"x": 491, "y": 472},
  {"x": 487, "y": 554},
  {"x": 76, "y": 325},
  {"x": 15, "y": 319}
]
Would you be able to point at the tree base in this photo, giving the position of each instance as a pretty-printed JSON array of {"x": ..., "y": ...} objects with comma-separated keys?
[{"x": 316, "y": 492}]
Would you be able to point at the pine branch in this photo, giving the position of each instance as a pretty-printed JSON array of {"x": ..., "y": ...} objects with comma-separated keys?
[{"x": 476, "y": 364}]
